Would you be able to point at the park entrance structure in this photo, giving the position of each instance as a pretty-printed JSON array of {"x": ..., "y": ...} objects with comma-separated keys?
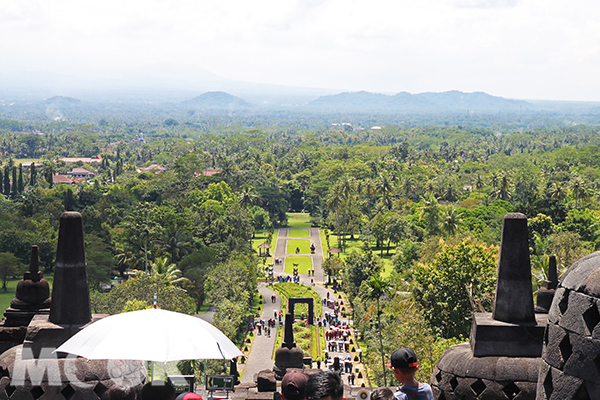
[{"x": 311, "y": 307}]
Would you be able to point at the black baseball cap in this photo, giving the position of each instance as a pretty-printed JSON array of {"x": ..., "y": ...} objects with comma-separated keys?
[{"x": 403, "y": 358}]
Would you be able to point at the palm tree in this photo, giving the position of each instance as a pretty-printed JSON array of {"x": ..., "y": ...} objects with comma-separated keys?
[
  {"x": 374, "y": 289},
  {"x": 579, "y": 189},
  {"x": 334, "y": 202},
  {"x": 175, "y": 242},
  {"x": 248, "y": 196},
  {"x": 384, "y": 187},
  {"x": 408, "y": 187},
  {"x": 503, "y": 185},
  {"x": 430, "y": 210},
  {"x": 479, "y": 182},
  {"x": 164, "y": 270},
  {"x": 451, "y": 220},
  {"x": 557, "y": 191}
]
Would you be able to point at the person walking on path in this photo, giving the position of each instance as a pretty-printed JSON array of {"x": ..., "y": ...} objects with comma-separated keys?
[{"x": 256, "y": 360}]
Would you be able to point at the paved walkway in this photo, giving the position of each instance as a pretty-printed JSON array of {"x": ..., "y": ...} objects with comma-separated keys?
[{"x": 261, "y": 353}]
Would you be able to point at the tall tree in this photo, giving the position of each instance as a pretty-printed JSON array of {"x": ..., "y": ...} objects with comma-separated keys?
[
  {"x": 6, "y": 190},
  {"x": 14, "y": 189},
  {"x": 20, "y": 185},
  {"x": 375, "y": 289},
  {"x": 32, "y": 175}
]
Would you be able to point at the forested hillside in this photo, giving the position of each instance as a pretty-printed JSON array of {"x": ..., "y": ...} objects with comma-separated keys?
[{"x": 419, "y": 208}]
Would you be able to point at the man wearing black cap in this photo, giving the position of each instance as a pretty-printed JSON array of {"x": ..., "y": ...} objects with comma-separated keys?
[
  {"x": 404, "y": 363},
  {"x": 293, "y": 386}
]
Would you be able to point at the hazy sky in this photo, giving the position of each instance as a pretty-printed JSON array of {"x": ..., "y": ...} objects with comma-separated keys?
[{"x": 528, "y": 49}]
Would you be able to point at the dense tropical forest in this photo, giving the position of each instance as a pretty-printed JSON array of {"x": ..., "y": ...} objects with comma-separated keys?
[{"x": 416, "y": 211}]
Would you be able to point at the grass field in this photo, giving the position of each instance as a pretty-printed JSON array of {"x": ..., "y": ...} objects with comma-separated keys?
[
  {"x": 299, "y": 233},
  {"x": 6, "y": 297},
  {"x": 260, "y": 238},
  {"x": 304, "y": 264},
  {"x": 302, "y": 244},
  {"x": 298, "y": 220},
  {"x": 356, "y": 245}
]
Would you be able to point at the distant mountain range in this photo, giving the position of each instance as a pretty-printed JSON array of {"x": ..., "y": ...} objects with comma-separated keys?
[
  {"x": 403, "y": 102},
  {"x": 422, "y": 102},
  {"x": 375, "y": 102}
]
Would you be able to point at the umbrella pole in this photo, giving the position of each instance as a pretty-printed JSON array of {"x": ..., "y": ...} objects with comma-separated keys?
[
  {"x": 204, "y": 373},
  {"x": 151, "y": 371}
]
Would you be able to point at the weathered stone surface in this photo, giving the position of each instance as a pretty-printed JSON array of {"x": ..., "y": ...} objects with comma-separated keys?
[
  {"x": 265, "y": 381},
  {"x": 546, "y": 292},
  {"x": 557, "y": 307},
  {"x": 552, "y": 354},
  {"x": 570, "y": 367},
  {"x": 581, "y": 362},
  {"x": 579, "y": 271},
  {"x": 70, "y": 291},
  {"x": 572, "y": 318},
  {"x": 308, "y": 300},
  {"x": 553, "y": 384},
  {"x": 288, "y": 332},
  {"x": 459, "y": 361},
  {"x": 286, "y": 358},
  {"x": 513, "y": 300},
  {"x": 42, "y": 333},
  {"x": 74, "y": 378},
  {"x": 32, "y": 297},
  {"x": 490, "y": 337}
]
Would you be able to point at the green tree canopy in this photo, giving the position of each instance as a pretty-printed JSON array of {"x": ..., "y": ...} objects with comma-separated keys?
[{"x": 460, "y": 281}]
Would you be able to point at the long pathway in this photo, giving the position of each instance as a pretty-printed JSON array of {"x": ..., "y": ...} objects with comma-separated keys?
[
  {"x": 261, "y": 353},
  {"x": 260, "y": 357}
]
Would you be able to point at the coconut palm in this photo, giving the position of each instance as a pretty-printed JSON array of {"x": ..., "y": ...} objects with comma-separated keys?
[
  {"x": 578, "y": 189},
  {"x": 164, "y": 270},
  {"x": 430, "y": 211},
  {"x": 374, "y": 289},
  {"x": 175, "y": 242},
  {"x": 557, "y": 191},
  {"x": 451, "y": 220},
  {"x": 248, "y": 196}
]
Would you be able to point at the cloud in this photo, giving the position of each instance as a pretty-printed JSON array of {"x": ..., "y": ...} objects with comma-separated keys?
[{"x": 516, "y": 48}]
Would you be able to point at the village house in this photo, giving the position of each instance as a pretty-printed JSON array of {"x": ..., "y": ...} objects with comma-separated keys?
[{"x": 81, "y": 173}]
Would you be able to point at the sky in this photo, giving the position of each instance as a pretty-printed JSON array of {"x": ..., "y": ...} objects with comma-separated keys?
[{"x": 523, "y": 49}]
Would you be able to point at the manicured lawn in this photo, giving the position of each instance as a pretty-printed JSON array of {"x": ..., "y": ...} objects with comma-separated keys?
[
  {"x": 356, "y": 245},
  {"x": 299, "y": 233},
  {"x": 304, "y": 264},
  {"x": 298, "y": 220},
  {"x": 260, "y": 238},
  {"x": 302, "y": 244}
]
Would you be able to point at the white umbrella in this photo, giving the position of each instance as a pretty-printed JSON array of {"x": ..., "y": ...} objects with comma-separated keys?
[{"x": 151, "y": 335}]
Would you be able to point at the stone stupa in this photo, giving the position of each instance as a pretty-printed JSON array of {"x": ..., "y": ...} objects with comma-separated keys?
[
  {"x": 33, "y": 370},
  {"x": 502, "y": 358},
  {"x": 32, "y": 297}
]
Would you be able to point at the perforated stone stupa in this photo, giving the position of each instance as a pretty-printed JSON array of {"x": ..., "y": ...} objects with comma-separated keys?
[{"x": 570, "y": 366}]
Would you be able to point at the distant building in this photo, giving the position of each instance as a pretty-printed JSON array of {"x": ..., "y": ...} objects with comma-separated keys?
[
  {"x": 62, "y": 179},
  {"x": 210, "y": 172},
  {"x": 85, "y": 160},
  {"x": 157, "y": 168},
  {"x": 28, "y": 164},
  {"x": 81, "y": 173}
]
